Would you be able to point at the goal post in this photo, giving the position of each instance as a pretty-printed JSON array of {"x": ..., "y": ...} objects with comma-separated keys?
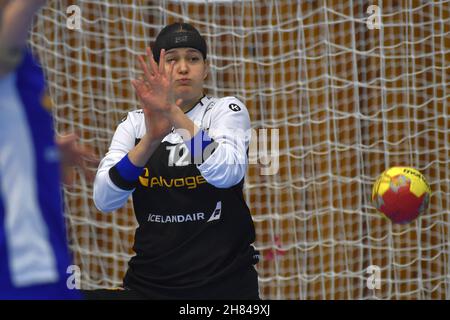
[{"x": 352, "y": 90}]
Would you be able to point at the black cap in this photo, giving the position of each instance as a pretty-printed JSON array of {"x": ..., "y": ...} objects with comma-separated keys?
[{"x": 178, "y": 35}]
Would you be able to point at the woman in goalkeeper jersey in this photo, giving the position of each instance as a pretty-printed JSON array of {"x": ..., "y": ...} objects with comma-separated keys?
[{"x": 183, "y": 161}]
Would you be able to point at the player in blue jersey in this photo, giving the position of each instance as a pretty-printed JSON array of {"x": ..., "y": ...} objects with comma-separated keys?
[{"x": 33, "y": 247}]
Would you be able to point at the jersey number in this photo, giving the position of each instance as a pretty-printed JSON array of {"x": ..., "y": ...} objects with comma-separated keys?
[{"x": 175, "y": 159}]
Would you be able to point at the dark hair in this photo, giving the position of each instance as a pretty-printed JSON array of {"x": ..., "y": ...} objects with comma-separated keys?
[{"x": 178, "y": 35}]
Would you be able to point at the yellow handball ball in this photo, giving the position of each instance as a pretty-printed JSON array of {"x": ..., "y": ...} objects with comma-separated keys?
[{"x": 401, "y": 194}]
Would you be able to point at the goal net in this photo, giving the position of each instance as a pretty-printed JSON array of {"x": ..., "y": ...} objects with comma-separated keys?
[{"x": 349, "y": 98}]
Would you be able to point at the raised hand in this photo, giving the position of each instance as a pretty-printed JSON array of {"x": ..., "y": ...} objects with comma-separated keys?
[
  {"x": 158, "y": 125},
  {"x": 155, "y": 91},
  {"x": 74, "y": 155}
]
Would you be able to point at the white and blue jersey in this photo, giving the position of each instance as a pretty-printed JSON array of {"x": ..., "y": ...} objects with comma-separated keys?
[
  {"x": 33, "y": 248},
  {"x": 195, "y": 234}
]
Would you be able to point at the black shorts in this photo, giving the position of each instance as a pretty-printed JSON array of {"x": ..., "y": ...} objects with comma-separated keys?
[
  {"x": 111, "y": 294},
  {"x": 239, "y": 286}
]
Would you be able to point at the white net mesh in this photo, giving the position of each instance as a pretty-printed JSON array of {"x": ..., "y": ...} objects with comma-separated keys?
[{"x": 348, "y": 101}]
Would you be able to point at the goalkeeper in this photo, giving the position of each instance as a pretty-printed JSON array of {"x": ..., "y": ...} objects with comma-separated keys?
[{"x": 183, "y": 161}]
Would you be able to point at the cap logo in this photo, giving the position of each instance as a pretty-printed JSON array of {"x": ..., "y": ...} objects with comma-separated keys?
[{"x": 181, "y": 39}]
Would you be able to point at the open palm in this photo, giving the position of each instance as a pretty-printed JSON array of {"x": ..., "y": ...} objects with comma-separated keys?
[{"x": 155, "y": 90}]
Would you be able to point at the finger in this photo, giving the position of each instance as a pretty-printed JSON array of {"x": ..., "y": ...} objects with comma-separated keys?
[
  {"x": 88, "y": 154},
  {"x": 145, "y": 69},
  {"x": 83, "y": 163},
  {"x": 135, "y": 85},
  {"x": 139, "y": 85},
  {"x": 148, "y": 75},
  {"x": 153, "y": 64},
  {"x": 136, "y": 82},
  {"x": 64, "y": 140},
  {"x": 162, "y": 62},
  {"x": 145, "y": 82},
  {"x": 70, "y": 136},
  {"x": 172, "y": 66}
]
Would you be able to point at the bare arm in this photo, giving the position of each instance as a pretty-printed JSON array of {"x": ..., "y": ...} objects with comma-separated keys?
[{"x": 15, "y": 20}]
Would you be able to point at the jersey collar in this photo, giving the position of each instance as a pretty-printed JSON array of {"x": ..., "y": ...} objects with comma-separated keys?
[{"x": 201, "y": 102}]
